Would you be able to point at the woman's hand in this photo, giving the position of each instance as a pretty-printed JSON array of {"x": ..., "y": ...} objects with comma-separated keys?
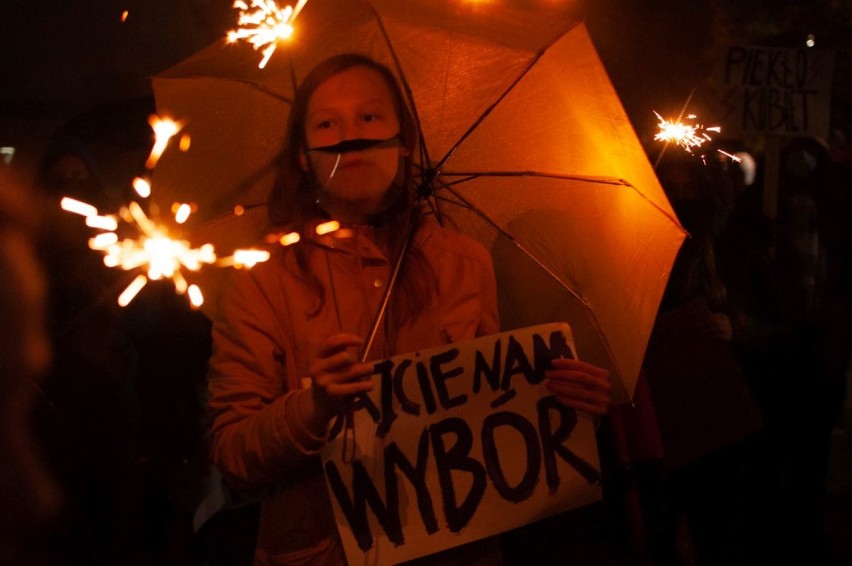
[
  {"x": 337, "y": 375},
  {"x": 579, "y": 385}
]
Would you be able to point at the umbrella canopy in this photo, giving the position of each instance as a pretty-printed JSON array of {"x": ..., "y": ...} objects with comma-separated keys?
[{"x": 536, "y": 156}]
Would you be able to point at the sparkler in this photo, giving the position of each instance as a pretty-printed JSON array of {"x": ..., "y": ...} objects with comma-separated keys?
[
  {"x": 264, "y": 24},
  {"x": 687, "y": 136},
  {"x": 150, "y": 247},
  {"x": 153, "y": 249}
]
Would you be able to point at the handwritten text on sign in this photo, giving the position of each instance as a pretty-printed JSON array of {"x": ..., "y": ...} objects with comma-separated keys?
[
  {"x": 459, "y": 443},
  {"x": 779, "y": 91}
]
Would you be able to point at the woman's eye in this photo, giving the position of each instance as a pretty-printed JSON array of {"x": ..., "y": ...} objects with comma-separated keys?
[
  {"x": 370, "y": 117},
  {"x": 324, "y": 125}
]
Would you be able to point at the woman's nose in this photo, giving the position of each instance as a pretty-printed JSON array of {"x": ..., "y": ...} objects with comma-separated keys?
[{"x": 350, "y": 130}]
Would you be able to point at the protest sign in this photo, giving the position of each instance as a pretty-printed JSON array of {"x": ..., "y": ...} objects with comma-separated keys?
[
  {"x": 776, "y": 90},
  {"x": 458, "y": 443}
]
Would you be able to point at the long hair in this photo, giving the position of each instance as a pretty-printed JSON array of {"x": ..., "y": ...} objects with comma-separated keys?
[{"x": 293, "y": 199}]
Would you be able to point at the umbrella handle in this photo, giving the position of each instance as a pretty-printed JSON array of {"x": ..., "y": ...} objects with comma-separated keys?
[{"x": 383, "y": 306}]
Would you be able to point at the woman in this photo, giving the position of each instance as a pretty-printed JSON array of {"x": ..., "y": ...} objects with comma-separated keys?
[{"x": 287, "y": 333}]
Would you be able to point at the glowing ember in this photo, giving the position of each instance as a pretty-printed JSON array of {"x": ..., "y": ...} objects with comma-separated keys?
[
  {"x": 195, "y": 296},
  {"x": 102, "y": 222},
  {"x": 142, "y": 187},
  {"x": 328, "y": 227},
  {"x": 132, "y": 290},
  {"x": 249, "y": 258},
  {"x": 77, "y": 207},
  {"x": 289, "y": 239},
  {"x": 730, "y": 156},
  {"x": 182, "y": 213},
  {"x": 164, "y": 129},
  {"x": 244, "y": 258},
  {"x": 264, "y": 24}
]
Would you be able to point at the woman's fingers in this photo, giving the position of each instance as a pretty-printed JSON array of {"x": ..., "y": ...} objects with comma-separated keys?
[
  {"x": 337, "y": 343},
  {"x": 337, "y": 355},
  {"x": 580, "y": 385},
  {"x": 337, "y": 373},
  {"x": 581, "y": 366},
  {"x": 336, "y": 382}
]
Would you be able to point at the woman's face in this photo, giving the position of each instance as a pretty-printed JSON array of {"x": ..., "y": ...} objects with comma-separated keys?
[{"x": 353, "y": 104}]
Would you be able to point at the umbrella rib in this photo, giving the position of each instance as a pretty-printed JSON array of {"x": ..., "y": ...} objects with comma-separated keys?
[
  {"x": 424, "y": 151},
  {"x": 494, "y": 104},
  {"x": 521, "y": 247},
  {"x": 593, "y": 319},
  {"x": 467, "y": 176},
  {"x": 252, "y": 84},
  {"x": 249, "y": 181},
  {"x": 567, "y": 177}
]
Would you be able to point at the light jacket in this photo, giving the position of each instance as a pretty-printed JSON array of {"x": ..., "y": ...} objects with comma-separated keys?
[{"x": 265, "y": 333}]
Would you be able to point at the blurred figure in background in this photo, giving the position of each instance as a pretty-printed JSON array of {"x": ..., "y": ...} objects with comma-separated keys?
[
  {"x": 86, "y": 421},
  {"x": 123, "y": 417},
  {"x": 789, "y": 297},
  {"x": 815, "y": 352},
  {"x": 30, "y": 498},
  {"x": 709, "y": 424}
]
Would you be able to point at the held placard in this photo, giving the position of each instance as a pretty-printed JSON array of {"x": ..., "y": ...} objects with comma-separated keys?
[{"x": 458, "y": 443}]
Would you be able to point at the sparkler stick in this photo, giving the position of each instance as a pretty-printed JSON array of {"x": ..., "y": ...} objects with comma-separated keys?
[{"x": 265, "y": 25}]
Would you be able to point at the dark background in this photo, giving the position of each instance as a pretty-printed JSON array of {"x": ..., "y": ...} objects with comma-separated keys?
[{"x": 62, "y": 59}]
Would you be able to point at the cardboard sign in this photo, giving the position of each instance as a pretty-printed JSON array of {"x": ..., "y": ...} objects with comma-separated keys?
[
  {"x": 458, "y": 443},
  {"x": 776, "y": 90}
]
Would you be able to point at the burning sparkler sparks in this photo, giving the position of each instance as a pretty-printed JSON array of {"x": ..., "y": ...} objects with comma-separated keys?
[
  {"x": 163, "y": 256},
  {"x": 131, "y": 240},
  {"x": 264, "y": 24},
  {"x": 150, "y": 247},
  {"x": 685, "y": 135}
]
